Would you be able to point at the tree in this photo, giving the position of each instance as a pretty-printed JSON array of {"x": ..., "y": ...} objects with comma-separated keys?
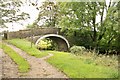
[
  {"x": 48, "y": 14},
  {"x": 76, "y": 17},
  {"x": 81, "y": 23},
  {"x": 111, "y": 35},
  {"x": 9, "y": 10}
]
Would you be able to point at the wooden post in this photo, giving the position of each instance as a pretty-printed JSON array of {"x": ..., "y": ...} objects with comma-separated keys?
[{"x": 31, "y": 37}]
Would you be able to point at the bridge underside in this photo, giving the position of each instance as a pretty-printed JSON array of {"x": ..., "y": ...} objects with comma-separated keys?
[{"x": 62, "y": 45}]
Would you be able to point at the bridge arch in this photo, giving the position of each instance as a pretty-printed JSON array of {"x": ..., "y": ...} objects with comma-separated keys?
[{"x": 62, "y": 41}]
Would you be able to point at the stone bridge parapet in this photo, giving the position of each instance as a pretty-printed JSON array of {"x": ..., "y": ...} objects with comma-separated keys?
[
  {"x": 31, "y": 32},
  {"x": 36, "y": 34}
]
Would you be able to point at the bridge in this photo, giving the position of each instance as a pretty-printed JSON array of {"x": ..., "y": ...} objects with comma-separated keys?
[{"x": 36, "y": 34}]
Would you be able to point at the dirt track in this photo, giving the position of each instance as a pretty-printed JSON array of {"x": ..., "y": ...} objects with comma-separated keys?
[
  {"x": 39, "y": 67},
  {"x": 1, "y": 52}
]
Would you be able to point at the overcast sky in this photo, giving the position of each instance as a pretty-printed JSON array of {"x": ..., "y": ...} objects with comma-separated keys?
[{"x": 31, "y": 10}]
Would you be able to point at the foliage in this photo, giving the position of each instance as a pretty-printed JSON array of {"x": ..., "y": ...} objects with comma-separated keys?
[
  {"x": 76, "y": 20},
  {"x": 30, "y": 26},
  {"x": 77, "y": 49},
  {"x": 94, "y": 26},
  {"x": 44, "y": 44},
  {"x": 110, "y": 39},
  {"x": 82, "y": 66},
  {"x": 48, "y": 14},
  {"x": 89, "y": 65},
  {"x": 26, "y": 46},
  {"x": 47, "y": 44},
  {"x": 91, "y": 57},
  {"x": 23, "y": 65},
  {"x": 10, "y": 12}
]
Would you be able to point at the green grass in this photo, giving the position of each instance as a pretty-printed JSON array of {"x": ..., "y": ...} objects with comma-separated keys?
[
  {"x": 75, "y": 67},
  {"x": 26, "y": 46},
  {"x": 23, "y": 65},
  {"x": 0, "y": 45}
]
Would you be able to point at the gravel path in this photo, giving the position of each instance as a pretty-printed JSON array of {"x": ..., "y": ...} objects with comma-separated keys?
[
  {"x": 39, "y": 67},
  {"x": 1, "y": 52},
  {"x": 8, "y": 69}
]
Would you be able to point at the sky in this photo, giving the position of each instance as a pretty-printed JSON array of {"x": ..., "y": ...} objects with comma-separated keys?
[{"x": 33, "y": 12}]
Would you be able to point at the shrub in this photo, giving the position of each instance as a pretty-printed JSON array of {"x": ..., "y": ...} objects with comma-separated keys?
[
  {"x": 44, "y": 44},
  {"x": 77, "y": 50},
  {"x": 47, "y": 44}
]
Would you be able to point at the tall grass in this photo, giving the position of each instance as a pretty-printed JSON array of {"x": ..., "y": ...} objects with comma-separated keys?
[
  {"x": 99, "y": 59},
  {"x": 91, "y": 56}
]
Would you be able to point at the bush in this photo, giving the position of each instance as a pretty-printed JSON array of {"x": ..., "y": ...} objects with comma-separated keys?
[
  {"x": 44, "y": 44},
  {"x": 47, "y": 44},
  {"x": 77, "y": 50}
]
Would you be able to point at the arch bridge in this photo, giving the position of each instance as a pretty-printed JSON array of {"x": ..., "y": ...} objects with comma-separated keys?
[{"x": 37, "y": 34}]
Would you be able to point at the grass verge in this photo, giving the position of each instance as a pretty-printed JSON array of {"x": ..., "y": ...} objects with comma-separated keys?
[
  {"x": 26, "y": 46},
  {"x": 23, "y": 65},
  {"x": 75, "y": 67},
  {"x": 0, "y": 45}
]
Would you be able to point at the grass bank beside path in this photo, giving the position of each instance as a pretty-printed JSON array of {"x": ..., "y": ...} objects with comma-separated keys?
[
  {"x": 77, "y": 68},
  {"x": 23, "y": 65},
  {"x": 71, "y": 65},
  {"x": 0, "y": 45},
  {"x": 26, "y": 46}
]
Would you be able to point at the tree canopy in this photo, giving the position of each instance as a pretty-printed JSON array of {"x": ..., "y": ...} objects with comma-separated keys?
[
  {"x": 10, "y": 12},
  {"x": 90, "y": 24}
]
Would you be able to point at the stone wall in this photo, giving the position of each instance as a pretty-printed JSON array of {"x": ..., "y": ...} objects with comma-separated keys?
[
  {"x": 30, "y": 32},
  {"x": 62, "y": 46}
]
